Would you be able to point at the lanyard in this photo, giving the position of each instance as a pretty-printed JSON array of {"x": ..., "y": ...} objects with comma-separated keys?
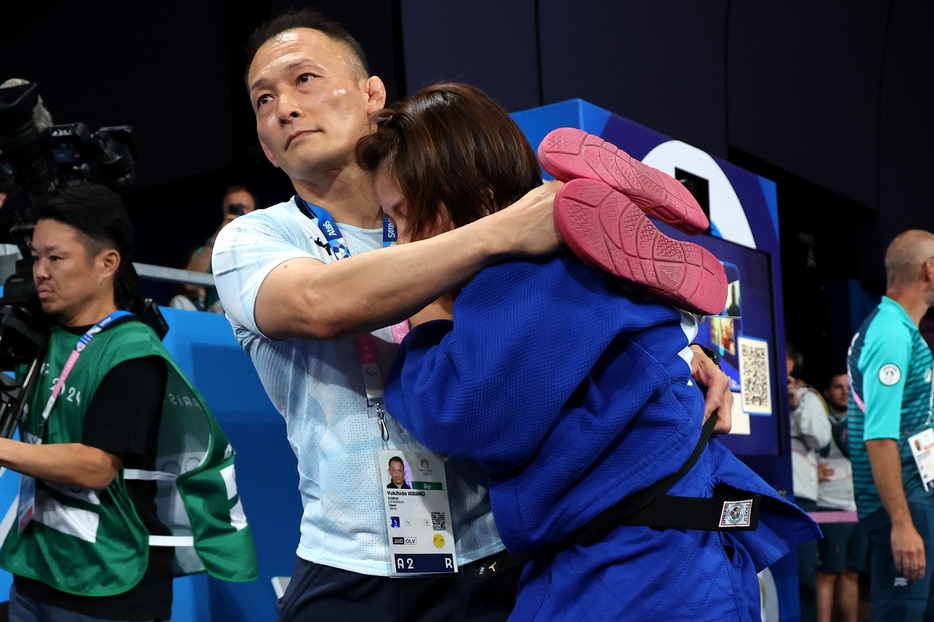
[
  {"x": 75, "y": 354},
  {"x": 365, "y": 343}
]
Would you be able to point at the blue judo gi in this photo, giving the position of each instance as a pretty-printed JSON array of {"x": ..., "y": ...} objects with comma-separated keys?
[{"x": 572, "y": 395}]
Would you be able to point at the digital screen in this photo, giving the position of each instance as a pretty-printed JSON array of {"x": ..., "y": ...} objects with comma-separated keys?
[{"x": 745, "y": 325}]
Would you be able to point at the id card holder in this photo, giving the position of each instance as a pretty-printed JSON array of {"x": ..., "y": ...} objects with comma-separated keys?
[
  {"x": 418, "y": 513},
  {"x": 26, "y": 507},
  {"x": 27, "y": 501},
  {"x": 922, "y": 448}
]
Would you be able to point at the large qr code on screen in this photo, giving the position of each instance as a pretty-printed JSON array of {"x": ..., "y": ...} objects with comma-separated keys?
[
  {"x": 437, "y": 521},
  {"x": 754, "y": 375}
]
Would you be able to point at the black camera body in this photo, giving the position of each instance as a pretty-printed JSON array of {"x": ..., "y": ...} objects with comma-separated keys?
[{"x": 38, "y": 158}]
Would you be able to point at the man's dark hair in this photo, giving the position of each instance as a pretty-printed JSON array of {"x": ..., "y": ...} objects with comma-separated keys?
[
  {"x": 396, "y": 459},
  {"x": 98, "y": 212},
  {"x": 838, "y": 369},
  {"x": 793, "y": 353},
  {"x": 241, "y": 188},
  {"x": 305, "y": 18}
]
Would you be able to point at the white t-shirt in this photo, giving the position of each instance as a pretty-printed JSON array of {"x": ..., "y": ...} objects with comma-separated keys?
[
  {"x": 837, "y": 492},
  {"x": 318, "y": 387},
  {"x": 810, "y": 431}
]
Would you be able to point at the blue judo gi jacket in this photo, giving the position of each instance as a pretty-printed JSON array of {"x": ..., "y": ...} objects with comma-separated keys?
[{"x": 572, "y": 395}]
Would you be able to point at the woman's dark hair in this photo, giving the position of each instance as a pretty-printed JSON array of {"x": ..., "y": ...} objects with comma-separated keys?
[
  {"x": 451, "y": 146},
  {"x": 98, "y": 212}
]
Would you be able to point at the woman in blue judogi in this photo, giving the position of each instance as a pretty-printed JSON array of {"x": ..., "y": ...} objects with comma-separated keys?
[{"x": 573, "y": 394}]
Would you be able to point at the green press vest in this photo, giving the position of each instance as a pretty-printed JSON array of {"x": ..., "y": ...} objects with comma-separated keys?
[{"x": 92, "y": 542}]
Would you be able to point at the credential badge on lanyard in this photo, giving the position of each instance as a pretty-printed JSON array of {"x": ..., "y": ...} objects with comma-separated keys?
[
  {"x": 922, "y": 444},
  {"x": 365, "y": 343}
]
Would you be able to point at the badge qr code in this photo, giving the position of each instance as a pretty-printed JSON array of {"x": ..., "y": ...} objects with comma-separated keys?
[{"x": 754, "y": 375}]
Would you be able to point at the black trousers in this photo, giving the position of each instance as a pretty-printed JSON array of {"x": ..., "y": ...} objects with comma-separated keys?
[{"x": 318, "y": 592}]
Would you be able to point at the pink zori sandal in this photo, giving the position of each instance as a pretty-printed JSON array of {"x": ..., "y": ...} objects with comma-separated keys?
[
  {"x": 568, "y": 153},
  {"x": 612, "y": 234}
]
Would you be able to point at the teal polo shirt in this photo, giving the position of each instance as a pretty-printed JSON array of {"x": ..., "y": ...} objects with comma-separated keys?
[{"x": 890, "y": 368}]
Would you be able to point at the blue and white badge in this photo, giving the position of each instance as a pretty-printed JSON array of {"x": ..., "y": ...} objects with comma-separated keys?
[
  {"x": 418, "y": 513},
  {"x": 26, "y": 506}
]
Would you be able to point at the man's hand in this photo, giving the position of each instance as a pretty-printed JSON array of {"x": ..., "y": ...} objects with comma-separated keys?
[
  {"x": 717, "y": 384},
  {"x": 530, "y": 223},
  {"x": 824, "y": 472},
  {"x": 907, "y": 546},
  {"x": 908, "y": 551}
]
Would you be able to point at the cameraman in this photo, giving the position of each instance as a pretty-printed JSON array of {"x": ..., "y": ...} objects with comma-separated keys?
[
  {"x": 238, "y": 200},
  {"x": 79, "y": 549}
]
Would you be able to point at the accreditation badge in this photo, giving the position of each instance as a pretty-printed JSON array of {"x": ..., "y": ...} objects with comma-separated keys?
[
  {"x": 418, "y": 513},
  {"x": 26, "y": 506},
  {"x": 27, "y": 501},
  {"x": 922, "y": 448}
]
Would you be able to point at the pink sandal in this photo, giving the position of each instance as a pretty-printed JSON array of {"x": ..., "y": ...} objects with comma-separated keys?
[
  {"x": 612, "y": 234},
  {"x": 568, "y": 153}
]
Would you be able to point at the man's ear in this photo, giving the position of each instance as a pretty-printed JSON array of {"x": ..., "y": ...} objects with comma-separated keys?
[
  {"x": 109, "y": 261},
  {"x": 376, "y": 94}
]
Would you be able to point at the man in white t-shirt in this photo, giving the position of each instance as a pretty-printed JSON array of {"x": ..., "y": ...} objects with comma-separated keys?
[
  {"x": 304, "y": 281},
  {"x": 295, "y": 303},
  {"x": 810, "y": 432},
  {"x": 842, "y": 551}
]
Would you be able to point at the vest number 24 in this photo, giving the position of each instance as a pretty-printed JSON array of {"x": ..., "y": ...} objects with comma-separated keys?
[{"x": 69, "y": 393}]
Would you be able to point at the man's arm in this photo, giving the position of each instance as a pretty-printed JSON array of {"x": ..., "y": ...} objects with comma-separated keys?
[
  {"x": 907, "y": 546},
  {"x": 64, "y": 463},
  {"x": 200, "y": 260},
  {"x": 122, "y": 418},
  {"x": 303, "y": 297},
  {"x": 813, "y": 421},
  {"x": 888, "y": 345}
]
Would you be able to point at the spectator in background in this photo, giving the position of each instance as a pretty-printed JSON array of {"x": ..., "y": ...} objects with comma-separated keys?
[
  {"x": 842, "y": 551},
  {"x": 810, "y": 431},
  {"x": 237, "y": 201}
]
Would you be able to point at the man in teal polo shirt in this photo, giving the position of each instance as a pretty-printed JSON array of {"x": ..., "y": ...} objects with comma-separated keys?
[{"x": 890, "y": 403}]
